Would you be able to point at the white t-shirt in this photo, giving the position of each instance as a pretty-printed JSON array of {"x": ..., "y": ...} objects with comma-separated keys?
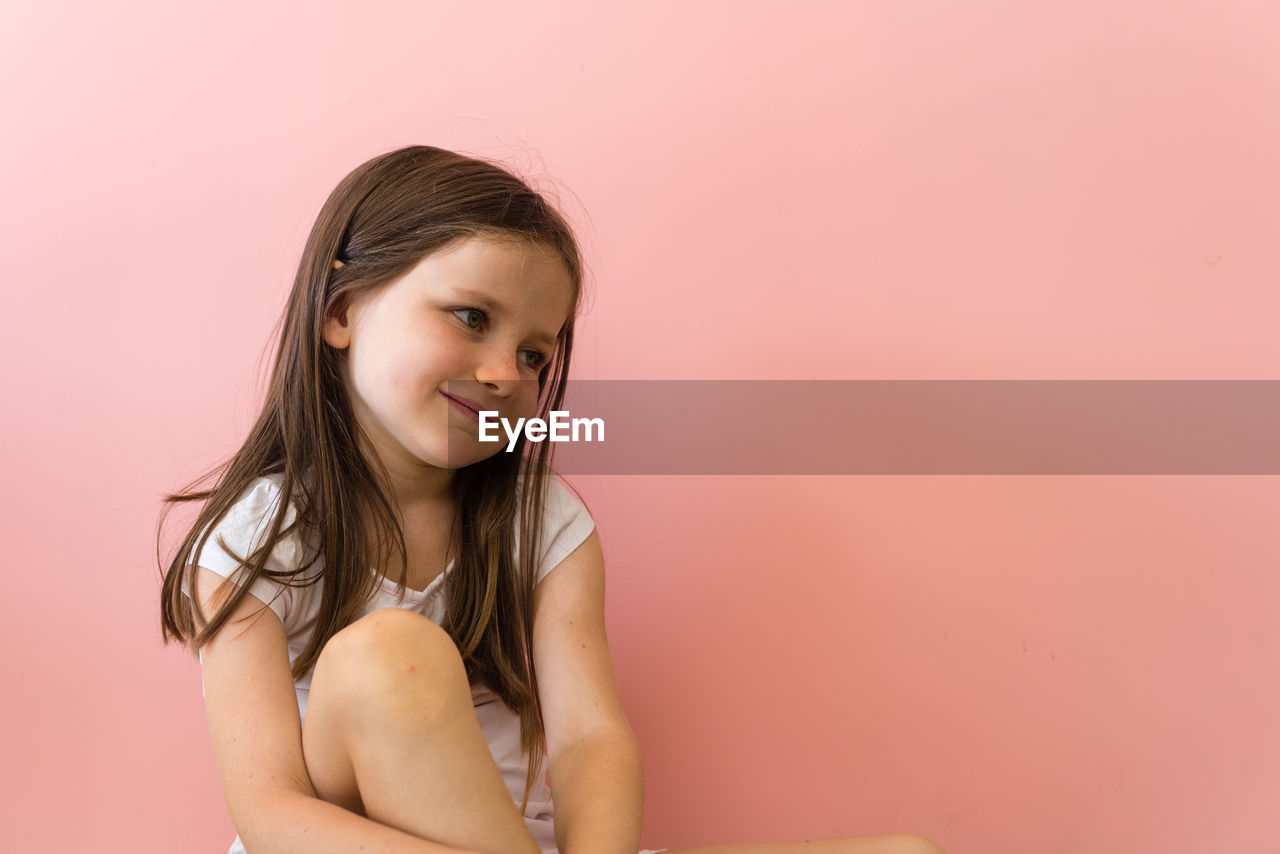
[{"x": 566, "y": 523}]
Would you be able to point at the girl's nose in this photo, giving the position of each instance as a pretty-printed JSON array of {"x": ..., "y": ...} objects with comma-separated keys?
[{"x": 500, "y": 372}]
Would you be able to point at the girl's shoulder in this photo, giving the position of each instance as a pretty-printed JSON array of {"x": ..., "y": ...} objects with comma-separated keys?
[
  {"x": 228, "y": 544},
  {"x": 264, "y": 487},
  {"x": 247, "y": 524},
  {"x": 260, "y": 502},
  {"x": 561, "y": 501},
  {"x": 566, "y": 522}
]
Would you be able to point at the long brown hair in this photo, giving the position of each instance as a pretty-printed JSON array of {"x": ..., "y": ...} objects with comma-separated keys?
[{"x": 380, "y": 221}]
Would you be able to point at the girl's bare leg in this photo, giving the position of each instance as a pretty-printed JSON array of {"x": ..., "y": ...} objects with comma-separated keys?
[
  {"x": 391, "y": 734},
  {"x": 887, "y": 843}
]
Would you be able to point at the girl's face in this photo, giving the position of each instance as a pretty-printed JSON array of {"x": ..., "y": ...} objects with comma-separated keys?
[{"x": 471, "y": 324}]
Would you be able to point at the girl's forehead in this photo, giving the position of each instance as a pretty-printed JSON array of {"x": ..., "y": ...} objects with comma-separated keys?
[
  {"x": 486, "y": 249},
  {"x": 516, "y": 268}
]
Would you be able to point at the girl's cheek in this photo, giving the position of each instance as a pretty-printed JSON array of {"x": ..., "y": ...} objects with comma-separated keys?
[
  {"x": 444, "y": 341},
  {"x": 450, "y": 355}
]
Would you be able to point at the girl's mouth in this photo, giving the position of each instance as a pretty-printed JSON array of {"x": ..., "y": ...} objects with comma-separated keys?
[{"x": 464, "y": 408}]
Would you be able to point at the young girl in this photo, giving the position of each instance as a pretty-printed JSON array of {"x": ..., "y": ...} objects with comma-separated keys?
[{"x": 387, "y": 654}]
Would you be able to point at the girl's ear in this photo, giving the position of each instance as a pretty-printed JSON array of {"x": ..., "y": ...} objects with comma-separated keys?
[{"x": 337, "y": 329}]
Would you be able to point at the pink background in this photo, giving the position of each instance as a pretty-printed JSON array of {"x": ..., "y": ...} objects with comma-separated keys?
[{"x": 987, "y": 190}]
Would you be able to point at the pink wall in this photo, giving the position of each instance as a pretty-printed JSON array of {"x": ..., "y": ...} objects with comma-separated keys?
[{"x": 991, "y": 190}]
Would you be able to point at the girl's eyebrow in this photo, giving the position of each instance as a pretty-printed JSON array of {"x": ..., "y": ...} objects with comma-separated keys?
[
  {"x": 492, "y": 306},
  {"x": 481, "y": 299}
]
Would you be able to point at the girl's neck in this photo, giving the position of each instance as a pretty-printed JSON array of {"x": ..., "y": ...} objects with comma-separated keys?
[
  {"x": 426, "y": 495},
  {"x": 430, "y": 516},
  {"x": 429, "y": 497},
  {"x": 412, "y": 486}
]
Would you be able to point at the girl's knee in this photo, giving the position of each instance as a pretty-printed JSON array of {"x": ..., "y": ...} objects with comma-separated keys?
[
  {"x": 390, "y": 651},
  {"x": 388, "y": 632}
]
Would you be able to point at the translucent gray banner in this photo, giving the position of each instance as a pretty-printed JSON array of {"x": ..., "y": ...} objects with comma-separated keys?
[{"x": 825, "y": 427}]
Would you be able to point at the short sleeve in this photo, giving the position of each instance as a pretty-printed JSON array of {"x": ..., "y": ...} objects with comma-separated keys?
[
  {"x": 565, "y": 525},
  {"x": 244, "y": 528}
]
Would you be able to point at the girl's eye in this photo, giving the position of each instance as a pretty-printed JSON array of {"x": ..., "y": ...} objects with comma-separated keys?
[
  {"x": 465, "y": 313},
  {"x": 538, "y": 359}
]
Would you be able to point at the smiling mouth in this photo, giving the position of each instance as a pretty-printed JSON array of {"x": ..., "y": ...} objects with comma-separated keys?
[{"x": 463, "y": 405}]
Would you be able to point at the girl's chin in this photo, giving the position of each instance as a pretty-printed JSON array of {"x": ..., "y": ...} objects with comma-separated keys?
[{"x": 460, "y": 456}]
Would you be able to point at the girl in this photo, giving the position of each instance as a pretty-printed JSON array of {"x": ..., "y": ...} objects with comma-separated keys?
[{"x": 387, "y": 655}]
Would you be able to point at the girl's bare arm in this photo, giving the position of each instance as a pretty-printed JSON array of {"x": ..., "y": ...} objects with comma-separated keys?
[{"x": 597, "y": 778}]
